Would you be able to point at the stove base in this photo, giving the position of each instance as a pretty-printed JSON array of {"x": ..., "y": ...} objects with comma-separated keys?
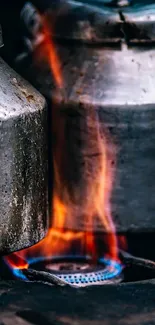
[{"x": 30, "y": 303}]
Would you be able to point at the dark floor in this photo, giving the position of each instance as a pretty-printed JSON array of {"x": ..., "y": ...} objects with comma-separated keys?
[{"x": 25, "y": 303}]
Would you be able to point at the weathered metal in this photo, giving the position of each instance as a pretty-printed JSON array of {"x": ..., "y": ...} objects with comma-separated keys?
[
  {"x": 116, "y": 85},
  {"x": 23, "y": 167}
]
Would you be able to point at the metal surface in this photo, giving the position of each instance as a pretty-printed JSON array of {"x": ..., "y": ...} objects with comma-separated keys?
[
  {"x": 95, "y": 22},
  {"x": 83, "y": 22},
  {"x": 23, "y": 168},
  {"x": 101, "y": 22},
  {"x": 115, "y": 85},
  {"x": 139, "y": 24},
  {"x": 119, "y": 86}
]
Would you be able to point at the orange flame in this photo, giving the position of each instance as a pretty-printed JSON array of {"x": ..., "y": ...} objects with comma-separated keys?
[
  {"x": 123, "y": 242},
  {"x": 48, "y": 52},
  {"x": 89, "y": 193},
  {"x": 15, "y": 261}
]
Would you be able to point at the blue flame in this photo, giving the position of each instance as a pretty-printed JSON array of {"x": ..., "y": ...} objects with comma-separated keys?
[
  {"x": 111, "y": 270},
  {"x": 19, "y": 274},
  {"x": 16, "y": 271},
  {"x": 57, "y": 258},
  {"x": 115, "y": 266}
]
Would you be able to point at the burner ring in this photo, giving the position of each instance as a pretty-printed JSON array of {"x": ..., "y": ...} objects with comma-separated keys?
[{"x": 109, "y": 271}]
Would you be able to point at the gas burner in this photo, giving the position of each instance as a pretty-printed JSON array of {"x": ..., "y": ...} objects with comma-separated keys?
[{"x": 78, "y": 271}]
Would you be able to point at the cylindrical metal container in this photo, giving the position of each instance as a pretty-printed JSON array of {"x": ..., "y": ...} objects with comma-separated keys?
[
  {"x": 23, "y": 167},
  {"x": 111, "y": 87}
]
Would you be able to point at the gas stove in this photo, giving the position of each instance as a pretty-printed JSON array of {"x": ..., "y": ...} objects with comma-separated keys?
[{"x": 38, "y": 303}]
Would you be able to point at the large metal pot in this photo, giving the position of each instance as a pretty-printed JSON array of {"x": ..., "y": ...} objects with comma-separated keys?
[
  {"x": 23, "y": 163},
  {"x": 117, "y": 82}
]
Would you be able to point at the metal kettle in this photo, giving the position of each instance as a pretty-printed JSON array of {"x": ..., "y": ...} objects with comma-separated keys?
[{"x": 23, "y": 162}]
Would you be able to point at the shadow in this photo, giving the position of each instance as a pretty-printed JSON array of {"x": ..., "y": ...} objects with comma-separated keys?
[{"x": 36, "y": 318}]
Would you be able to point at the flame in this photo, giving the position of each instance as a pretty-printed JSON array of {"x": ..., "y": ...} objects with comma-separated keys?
[
  {"x": 89, "y": 194},
  {"x": 16, "y": 262},
  {"x": 123, "y": 242},
  {"x": 48, "y": 53}
]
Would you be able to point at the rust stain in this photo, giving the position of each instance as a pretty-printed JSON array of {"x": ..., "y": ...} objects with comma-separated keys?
[
  {"x": 30, "y": 98},
  {"x": 23, "y": 91},
  {"x": 79, "y": 91}
]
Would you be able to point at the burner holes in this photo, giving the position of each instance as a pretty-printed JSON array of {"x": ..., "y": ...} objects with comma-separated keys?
[{"x": 65, "y": 277}]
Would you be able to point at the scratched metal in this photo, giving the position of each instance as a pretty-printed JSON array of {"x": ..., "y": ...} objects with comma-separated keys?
[
  {"x": 23, "y": 167},
  {"x": 116, "y": 86}
]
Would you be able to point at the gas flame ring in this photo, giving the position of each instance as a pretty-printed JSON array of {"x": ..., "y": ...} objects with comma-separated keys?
[{"x": 109, "y": 272}]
